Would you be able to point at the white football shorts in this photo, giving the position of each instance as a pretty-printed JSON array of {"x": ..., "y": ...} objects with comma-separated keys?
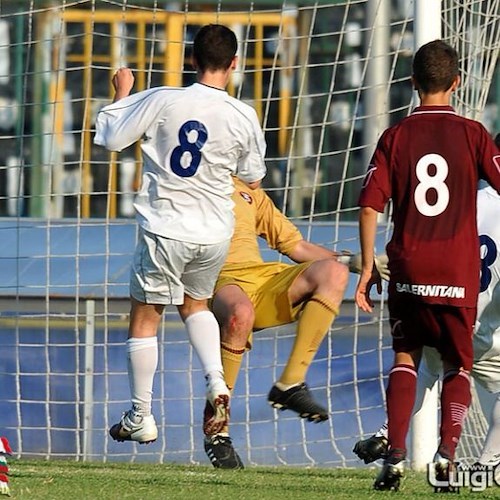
[
  {"x": 163, "y": 270},
  {"x": 487, "y": 373}
]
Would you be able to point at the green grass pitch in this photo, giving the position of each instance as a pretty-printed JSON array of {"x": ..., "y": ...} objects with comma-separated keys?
[{"x": 69, "y": 480}]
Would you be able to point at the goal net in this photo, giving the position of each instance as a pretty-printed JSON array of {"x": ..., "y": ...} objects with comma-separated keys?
[{"x": 326, "y": 78}]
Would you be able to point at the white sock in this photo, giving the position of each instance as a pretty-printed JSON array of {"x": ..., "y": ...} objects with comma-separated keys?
[
  {"x": 142, "y": 358},
  {"x": 490, "y": 454},
  {"x": 382, "y": 432},
  {"x": 204, "y": 335},
  {"x": 285, "y": 387}
]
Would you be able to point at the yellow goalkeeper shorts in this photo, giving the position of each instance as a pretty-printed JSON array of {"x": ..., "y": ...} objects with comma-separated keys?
[{"x": 266, "y": 285}]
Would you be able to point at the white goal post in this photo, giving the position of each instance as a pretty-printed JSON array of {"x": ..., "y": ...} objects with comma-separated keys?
[{"x": 326, "y": 78}]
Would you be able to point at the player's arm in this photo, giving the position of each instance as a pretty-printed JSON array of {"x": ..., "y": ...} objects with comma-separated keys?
[
  {"x": 490, "y": 159},
  {"x": 367, "y": 234},
  {"x": 249, "y": 174},
  {"x": 128, "y": 117},
  {"x": 375, "y": 193},
  {"x": 254, "y": 185},
  {"x": 282, "y": 235},
  {"x": 305, "y": 251}
]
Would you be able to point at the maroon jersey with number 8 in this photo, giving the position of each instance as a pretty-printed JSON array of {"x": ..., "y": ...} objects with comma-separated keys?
[{"x": 429, "y": 164}]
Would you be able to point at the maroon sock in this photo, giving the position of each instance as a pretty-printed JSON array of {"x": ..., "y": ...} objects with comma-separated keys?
[
  {"x": 400, "y": 395},
  {"x": 455, "y": 400}
]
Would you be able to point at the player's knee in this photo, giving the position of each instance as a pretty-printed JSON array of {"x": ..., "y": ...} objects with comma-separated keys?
[
  {"x": 241, "y": 319},
  {"x": 336, "y": 274}
]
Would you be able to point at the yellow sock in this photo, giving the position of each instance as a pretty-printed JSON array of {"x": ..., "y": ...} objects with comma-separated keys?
[
  {"x": 231, "y": 362},
  {"x": 314, "y": 323}
]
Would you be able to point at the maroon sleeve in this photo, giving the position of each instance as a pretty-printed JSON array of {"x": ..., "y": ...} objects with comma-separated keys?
[{"x": 490, "y": 159}]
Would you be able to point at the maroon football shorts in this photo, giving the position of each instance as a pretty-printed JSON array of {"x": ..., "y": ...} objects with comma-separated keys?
[{"x": 447, "y": 328}]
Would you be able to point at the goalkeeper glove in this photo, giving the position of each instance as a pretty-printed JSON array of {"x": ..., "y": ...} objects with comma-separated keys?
[{"x": 354, "y": 263}]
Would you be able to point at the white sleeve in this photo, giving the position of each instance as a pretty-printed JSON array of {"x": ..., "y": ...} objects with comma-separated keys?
[{"x": 124, "y": 122}]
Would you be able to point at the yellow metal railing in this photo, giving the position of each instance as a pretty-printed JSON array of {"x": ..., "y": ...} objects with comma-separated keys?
[{"x": 171, "y": 61}]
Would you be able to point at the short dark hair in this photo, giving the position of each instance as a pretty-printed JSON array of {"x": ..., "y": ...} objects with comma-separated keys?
[
  {"x": 435, "y": 67},
  {"x": 214, "y": 47},
  {"x": 497, "y": 140}
]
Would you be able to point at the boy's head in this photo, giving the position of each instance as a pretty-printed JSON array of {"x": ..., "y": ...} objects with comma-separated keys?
[
  {"x": 214, "y": 48},
  {"x": 435, "y": 68}
]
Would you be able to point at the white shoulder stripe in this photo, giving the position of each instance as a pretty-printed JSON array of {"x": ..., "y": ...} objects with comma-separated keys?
[{"x": 429, "y": 112}]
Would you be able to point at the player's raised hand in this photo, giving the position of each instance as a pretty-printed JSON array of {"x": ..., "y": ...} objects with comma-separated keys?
[{"x": 123, "y": 81}]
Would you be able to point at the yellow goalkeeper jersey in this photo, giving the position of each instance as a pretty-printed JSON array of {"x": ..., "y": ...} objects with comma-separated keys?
[{"x": 256, "y": 215}]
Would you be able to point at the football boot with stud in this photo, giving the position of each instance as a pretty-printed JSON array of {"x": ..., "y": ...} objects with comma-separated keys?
[
  {"x": 298, "y": 399},
  {"x": 135, "y": 427}
]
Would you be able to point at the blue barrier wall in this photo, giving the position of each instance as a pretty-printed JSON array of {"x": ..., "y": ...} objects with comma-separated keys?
[{"x": 90, "y": 259}]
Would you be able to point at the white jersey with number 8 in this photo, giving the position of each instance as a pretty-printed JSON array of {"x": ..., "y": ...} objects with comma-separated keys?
[
  {"x": 487, "y": 336},
  {"x": 193, "y": 140}
]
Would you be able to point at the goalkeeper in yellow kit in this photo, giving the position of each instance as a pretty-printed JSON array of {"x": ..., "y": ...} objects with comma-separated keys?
[{"x": 252, "y": 295}]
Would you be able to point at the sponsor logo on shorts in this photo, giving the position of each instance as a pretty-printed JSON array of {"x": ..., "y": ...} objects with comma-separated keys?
[{"x": 455, "y": 292}]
